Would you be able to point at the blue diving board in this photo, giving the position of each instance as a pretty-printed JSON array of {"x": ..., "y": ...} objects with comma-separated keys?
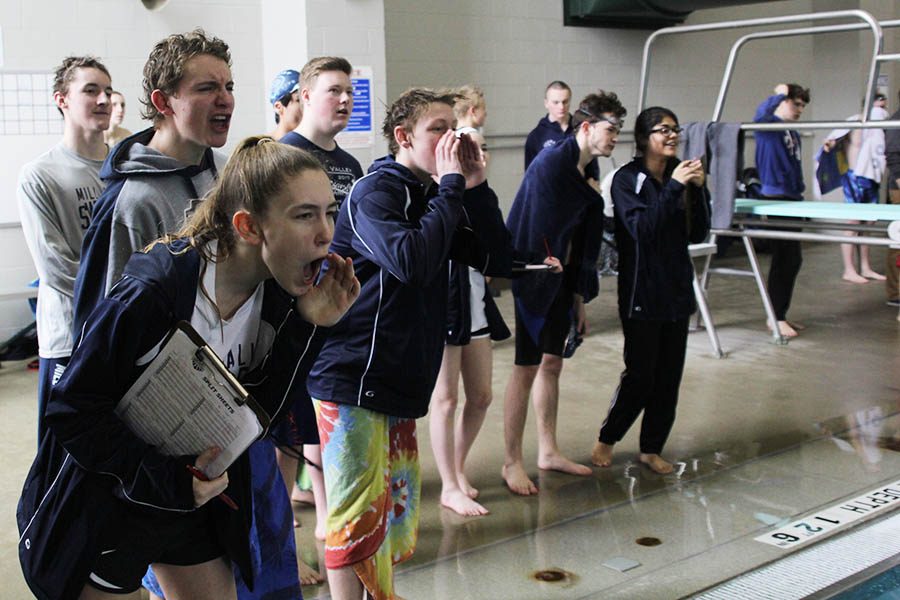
[{"x": 818, "y": 210}]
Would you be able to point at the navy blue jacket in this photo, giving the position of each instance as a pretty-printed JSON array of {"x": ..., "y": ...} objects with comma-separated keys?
[
  {"x": 778, "y": 154},
  {"x": 655, "y": 222},
  {"x": 547, "y": 134},
  {"x": 555, "y": 203},
  {"x": 385, "y": 354},
  {"x": 90, "y": 467}
]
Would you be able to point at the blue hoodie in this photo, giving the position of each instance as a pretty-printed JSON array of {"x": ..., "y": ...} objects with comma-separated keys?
[
  {"x": 778, "y": 154},
  {"x": 147, "y": 195},
  {"x": 385, "y": 354},
  {"x": 89, "y": 466}
]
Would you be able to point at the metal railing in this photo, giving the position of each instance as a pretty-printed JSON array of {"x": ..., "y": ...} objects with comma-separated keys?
[
  {"x": 867, "y": 22},
  {"x": 746, "y": 229}
]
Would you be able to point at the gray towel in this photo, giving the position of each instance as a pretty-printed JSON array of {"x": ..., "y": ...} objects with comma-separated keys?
[
  {"x": 726, "y": 145},
  {"x": 693, "y": 140}
]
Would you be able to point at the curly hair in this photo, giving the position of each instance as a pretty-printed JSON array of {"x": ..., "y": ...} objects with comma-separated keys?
[
  {"x": 409, "y": 108},
  {"x": 165, "y": 65},
  {"x": 598, "y": 104}
]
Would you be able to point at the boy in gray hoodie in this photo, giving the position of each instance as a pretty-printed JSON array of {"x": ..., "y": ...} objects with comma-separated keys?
[{"x": 155, "y": 177}]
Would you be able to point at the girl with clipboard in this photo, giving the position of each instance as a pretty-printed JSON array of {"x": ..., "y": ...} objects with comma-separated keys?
[{"x": 99, "y": 504}]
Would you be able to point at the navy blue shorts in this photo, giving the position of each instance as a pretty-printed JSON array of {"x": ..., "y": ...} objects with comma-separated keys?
[
  {"x": 552, "y": 336},
  {"x": 140, "y": 539}
]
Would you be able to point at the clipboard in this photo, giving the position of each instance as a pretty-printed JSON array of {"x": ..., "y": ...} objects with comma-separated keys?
[{"x": 186, "y": 401}]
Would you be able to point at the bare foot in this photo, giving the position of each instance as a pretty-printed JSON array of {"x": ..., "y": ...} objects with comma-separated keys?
[
  {"x": 308, "y": 575},
  {"x": 785, "y": 329},
  {"x": 302, "y": 496},
  {"x": 558, "y": 462},
  {"x": 602, "y": 453},
  {"x": 517, "y": 480},
  {"x": 656, "y": 463},
  {"x": 797, "y": 326},
  {"x": 872, "y": 275},
  {"x": 460, "y": 503},
  {"x": 854, "y": 277},
  {"x": 467, "y": 488}
]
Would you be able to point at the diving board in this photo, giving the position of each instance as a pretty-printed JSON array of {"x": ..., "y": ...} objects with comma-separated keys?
[
  {"x": 838, "y": 211},
  {"x": 762, "y": 218}
]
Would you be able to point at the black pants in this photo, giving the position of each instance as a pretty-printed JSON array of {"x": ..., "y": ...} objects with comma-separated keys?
[
  {"x": 654, "y": 361},
  {"x": 783, "y": 270},
  {"x": 786, "y": 261}
]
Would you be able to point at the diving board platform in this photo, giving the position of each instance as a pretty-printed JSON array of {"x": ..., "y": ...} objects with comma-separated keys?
[
  {"x": 877, "y": 225},
  {"x": 839, "y": 211},
  {"x": 762, "y": 219}
]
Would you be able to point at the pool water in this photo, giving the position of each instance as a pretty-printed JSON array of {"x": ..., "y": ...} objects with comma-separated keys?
[{"x": 885, "y": 586}]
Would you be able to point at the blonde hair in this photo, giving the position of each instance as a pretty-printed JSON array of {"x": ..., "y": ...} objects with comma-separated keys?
[
  {"x": 256, "y": 173},
  {"x": 470, "y": 96}
]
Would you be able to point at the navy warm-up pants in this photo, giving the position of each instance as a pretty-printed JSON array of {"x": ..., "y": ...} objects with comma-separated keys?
[{"x": 654, "y": 361}]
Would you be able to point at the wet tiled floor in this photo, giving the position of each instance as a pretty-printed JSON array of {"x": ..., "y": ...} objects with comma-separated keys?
[{"x": 768, "y": 434}]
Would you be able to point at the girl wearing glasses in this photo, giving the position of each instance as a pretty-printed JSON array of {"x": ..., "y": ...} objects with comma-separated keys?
[{"x": 661, "y": 205}]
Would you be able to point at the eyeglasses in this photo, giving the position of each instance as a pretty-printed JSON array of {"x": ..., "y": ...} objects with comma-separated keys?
[{"x": 667, "y": 131}]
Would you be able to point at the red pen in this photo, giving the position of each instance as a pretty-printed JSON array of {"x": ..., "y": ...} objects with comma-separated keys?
[
  {"x": 202, "y": 477},
  {"x": 547, "y": 248}
]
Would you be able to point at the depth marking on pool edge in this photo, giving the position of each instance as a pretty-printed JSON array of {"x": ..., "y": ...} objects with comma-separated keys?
[{"x": 880, "y": 499}]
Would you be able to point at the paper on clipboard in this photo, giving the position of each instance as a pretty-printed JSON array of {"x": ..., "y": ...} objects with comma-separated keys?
[{"x": 187, "y": 401}]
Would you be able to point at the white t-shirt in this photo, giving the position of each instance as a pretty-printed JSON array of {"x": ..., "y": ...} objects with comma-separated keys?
[{"x": 235, "y": 341}]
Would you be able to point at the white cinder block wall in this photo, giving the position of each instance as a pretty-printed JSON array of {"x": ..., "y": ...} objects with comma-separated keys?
[
  {"x": 354, "y": 29},
  {"x": 36, "y": 35}
]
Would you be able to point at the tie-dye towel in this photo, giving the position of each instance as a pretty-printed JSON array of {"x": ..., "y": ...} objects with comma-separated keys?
[{"x": 371, "y": 466}]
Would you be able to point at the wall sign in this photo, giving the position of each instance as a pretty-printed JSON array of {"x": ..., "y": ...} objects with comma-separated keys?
[{"x": 359, "y": 132}]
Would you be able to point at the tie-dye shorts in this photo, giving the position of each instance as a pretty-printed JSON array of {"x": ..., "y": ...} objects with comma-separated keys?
[{"x": 371, "y": 466}]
